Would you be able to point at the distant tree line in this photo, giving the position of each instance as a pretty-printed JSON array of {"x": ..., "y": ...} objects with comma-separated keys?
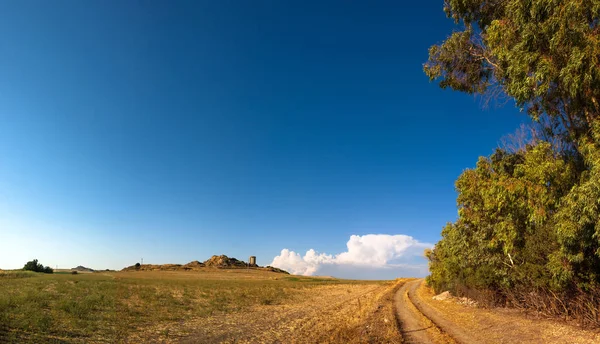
[
  {"x": 37, "y": 267},
  {"x": 528, "y": 231}
]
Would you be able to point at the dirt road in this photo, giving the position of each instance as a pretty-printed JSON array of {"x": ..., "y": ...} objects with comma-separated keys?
[
  {"x": 410, "y": 322},
  {"x": 421, "y": 323}
]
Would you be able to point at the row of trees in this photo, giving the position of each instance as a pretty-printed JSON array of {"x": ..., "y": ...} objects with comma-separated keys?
[{"x": 528, "y": 230}]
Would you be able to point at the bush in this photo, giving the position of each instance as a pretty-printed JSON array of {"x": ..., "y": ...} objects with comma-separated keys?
[{"x": 37, "y": 267}]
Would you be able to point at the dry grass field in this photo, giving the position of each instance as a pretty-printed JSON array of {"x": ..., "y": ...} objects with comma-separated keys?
[{"x": 210, "y": 306}]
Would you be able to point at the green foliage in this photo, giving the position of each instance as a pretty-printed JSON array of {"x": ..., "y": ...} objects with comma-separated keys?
[
  {"x": 543, "y": 53},
  {"x": 506, "y": 210},
  {"x": 34, "y": 266},
  {"x": 578, "y": 223}
]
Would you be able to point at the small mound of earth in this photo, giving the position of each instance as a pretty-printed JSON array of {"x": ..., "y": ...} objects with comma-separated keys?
[
  {"x": 270, "y": 268},
  {"x": 81, "y": 268},
  {"x": 151, "y": 267},
  {"x": 443, "y": 296},
  {"x": 194, "y": 265}
]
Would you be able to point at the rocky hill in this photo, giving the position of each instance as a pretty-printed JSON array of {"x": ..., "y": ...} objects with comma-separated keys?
[
  {"x": 223, "y": 261},
  {"x": 214, "y": 262}
]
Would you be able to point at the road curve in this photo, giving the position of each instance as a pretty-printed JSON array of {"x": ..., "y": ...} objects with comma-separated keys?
[{"x": 409, "y": 309}]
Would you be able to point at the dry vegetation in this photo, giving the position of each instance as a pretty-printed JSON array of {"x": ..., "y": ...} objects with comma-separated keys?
[
  {"x": 208, "y": 306},
  {"x": 504, "y": 325},
  {"x": 349, "y": 312}
]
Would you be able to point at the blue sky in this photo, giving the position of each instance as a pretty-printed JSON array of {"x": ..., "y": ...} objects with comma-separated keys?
[{"x": 178, "y": 130}]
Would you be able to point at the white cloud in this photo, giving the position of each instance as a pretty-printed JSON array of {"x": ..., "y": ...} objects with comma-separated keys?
[{"x": 368, "y": 256}]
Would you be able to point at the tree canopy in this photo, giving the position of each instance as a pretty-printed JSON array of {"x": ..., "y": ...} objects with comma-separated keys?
[{"x": 543, "y": 53}]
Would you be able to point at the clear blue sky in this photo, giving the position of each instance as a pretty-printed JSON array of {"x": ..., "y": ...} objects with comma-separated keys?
[{"x": 177, "y": 130}]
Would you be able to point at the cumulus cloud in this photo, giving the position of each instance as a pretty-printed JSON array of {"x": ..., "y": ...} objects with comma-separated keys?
[{"x": 367, "y": 256}]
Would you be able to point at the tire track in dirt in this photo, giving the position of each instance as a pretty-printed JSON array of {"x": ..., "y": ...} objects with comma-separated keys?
[
  {"x": 408, "y": 321},
  {"x": 418, "y": 322}
]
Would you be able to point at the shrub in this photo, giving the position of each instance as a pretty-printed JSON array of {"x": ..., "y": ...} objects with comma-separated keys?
[{"x": 37, "y": 267}]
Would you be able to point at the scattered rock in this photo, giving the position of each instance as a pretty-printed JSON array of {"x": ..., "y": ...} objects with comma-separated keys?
[
  {"x": 443, "y": 296},
  {"x": 466, "y": 301},
  {"x": 460, "y": 300}
]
